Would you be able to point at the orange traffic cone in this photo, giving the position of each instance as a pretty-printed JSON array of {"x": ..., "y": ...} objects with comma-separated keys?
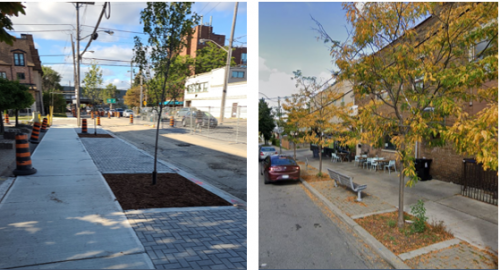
[
  {"x": 44, "y": 125},
  {"x": 35, "y": 133},
  {"x": 23, "y": 156}
]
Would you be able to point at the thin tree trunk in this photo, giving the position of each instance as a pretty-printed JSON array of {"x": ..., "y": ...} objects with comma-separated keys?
[
  {"x": 320, "y": 157},
  {"x": 294, "y": 151},
  {"x": 401, "y": 220},
  {"x": 17, "y": 116}
]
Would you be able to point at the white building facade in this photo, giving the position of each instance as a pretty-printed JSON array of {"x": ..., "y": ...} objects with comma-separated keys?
[{"x": 204, "y": 92}]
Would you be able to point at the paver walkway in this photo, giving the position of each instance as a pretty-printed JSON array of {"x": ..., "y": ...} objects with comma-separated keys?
[{"x": 196, "y": 239}]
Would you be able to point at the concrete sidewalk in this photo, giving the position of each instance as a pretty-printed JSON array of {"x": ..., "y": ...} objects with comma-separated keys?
[
  {"x": 469, "y": 220},
  {"x": 65, "y": 215}
]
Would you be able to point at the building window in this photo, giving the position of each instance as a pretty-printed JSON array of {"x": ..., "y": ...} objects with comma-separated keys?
[
  {"x": 387, "y": 143},
  {"x": 244, "y": 58},
  {"x": 3, "y": 75},
  {"x": 19, "y": 59},
  {"x": 238, "y": 74},
  {"x": 20, "y": 76}
]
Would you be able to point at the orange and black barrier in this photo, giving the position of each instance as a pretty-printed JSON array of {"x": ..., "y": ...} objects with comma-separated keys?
[
  {"x": 172, "y": 121},
  {"x": 23, "y": 156},
  {"x": 84, "y": 126},
  {"x": 98, "y": 120},
  {"x": 35, "y": 133},
  {"x": 44, "y": 125},
  {"x": 6, "y": 118},
  {"x": 131, "y": 119}
]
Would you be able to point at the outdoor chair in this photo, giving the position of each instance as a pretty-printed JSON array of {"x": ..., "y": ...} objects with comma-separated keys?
[
  {"x": 368, "y": 162},
  {"x": 392, "y": 164},
  {"x": 335, "y": 157},
  {"x": 374, "y": 164}
]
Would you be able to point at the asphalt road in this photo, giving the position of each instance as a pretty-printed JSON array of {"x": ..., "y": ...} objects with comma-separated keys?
[{"x": 297, "y": 232}]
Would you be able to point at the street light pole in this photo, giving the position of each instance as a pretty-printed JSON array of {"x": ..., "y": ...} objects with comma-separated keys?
[
  {"x": 77, "y": 85},
  {"x": 228, "y": 66}
]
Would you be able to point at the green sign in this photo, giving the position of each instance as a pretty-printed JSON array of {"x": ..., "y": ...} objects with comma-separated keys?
[{"x": 111, "y": 100}]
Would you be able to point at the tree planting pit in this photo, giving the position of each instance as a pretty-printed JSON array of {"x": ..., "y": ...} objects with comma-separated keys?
[{"x": 135, "y": 191}]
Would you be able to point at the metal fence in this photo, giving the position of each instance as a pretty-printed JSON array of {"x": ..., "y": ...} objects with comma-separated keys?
[
  {"x": 232, "y": 130},
  {"x": 479, "y": 184}
]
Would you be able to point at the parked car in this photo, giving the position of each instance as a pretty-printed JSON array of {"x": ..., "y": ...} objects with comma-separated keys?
[
  {"x": 199, "y": 119},
  {"x": 182, "y": 112},
  {"x": 279, "y": 168},
  {"x": 120, "y": 110},
  {"x": 128, "y": 112},
  {"x": 265, "y": 151}
]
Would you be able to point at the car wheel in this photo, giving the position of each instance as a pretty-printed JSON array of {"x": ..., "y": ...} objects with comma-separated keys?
[{"x": 265, "y": 180}]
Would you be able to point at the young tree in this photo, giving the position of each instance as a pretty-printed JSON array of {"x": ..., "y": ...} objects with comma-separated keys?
[
  {"x": 167, "y": 25},
  {"x": 295, "y": 109},
  {"x": 320, "y": 118},
  {"x": 91, "y": 85},
  {"x": 410, "y": 78},
  {"x": 266, "y": 121},
  {"x": 211, "y": 57}
]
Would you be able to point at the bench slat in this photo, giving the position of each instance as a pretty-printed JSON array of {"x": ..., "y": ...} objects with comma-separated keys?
[{"x": 346, "y": 181}]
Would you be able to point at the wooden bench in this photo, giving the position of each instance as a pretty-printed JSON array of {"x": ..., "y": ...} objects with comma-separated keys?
[{"x": 346, "y": 181}]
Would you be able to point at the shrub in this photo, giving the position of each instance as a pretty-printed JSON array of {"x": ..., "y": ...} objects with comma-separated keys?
[
  {"x": 391, "y": 223},
  {"x": 418, "y": 210}
]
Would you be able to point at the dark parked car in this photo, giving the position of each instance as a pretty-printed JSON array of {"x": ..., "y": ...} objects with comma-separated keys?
[
  {"x": 279, "y": 168},
  {"x": 120, "y": 110},
  {"x": 199, "y": 119}
]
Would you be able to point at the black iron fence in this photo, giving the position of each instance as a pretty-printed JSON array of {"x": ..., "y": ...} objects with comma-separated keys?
[{"x": 479, "y": 184}]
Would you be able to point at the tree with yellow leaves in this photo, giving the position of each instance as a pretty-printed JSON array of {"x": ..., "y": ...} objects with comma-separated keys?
[
  {"x": 413, "y": 66},
  {"x": 315, "y": 112}
]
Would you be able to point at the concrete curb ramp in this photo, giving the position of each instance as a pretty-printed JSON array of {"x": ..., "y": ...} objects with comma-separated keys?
[
  {"x": 385, "y": 253},
  {"x": 65, "y": 215}
]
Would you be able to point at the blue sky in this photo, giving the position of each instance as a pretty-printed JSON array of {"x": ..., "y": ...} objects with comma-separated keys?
[
  {"x": 52, "y": 23},
  {"x": 287, "y": 42}
]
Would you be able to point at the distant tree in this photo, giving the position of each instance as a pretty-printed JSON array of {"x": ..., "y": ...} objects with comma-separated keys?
[
  {"x": 56, "y": 100},
  {"x": 211, "y": 57},
  {"x": 50, "y": 80},
  {"x": 110, "y": 91},
  {"x": 266, "y": 121},
  {"x": 133, "y": 96},
  {"x": 13, "y": 95},
  {"x": 295, "y": 109},
  {"x": 92, "y": 83},
  {"x": 9, "y": 9}
]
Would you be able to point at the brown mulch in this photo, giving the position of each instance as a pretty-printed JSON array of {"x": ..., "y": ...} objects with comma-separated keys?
[
  {"x": 135, "y": 191},
  {"x": 402, "y": 241},
  {"x": 91, "y": 135}
]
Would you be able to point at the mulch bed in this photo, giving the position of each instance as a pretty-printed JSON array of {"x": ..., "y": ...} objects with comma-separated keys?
[
  {"x": 401, "y": 241},
  {"x": 134, "y": 191},
  {"x": 311, "y": 175},
  {"x": 94, "y": 135}
]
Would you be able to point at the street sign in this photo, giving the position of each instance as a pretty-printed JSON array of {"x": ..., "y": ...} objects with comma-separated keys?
[{"x": 111, "y": 100}]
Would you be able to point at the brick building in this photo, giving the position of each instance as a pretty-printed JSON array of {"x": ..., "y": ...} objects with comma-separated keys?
[
  {"x": 447, "y": 165},
  {"x": 22, "y": 62},
  {"x": 206, "y": 32}
]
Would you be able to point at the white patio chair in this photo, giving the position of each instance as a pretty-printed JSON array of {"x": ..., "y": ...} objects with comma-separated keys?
[
  {"x": 368, "y": 162},
  {"x": 335, "y": 157},
  {"x": 392, "y": 164},
  {"x": 356, "y": 160}
]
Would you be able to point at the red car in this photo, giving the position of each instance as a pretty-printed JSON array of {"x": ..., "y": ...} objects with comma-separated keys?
[{"x": 279, "y": 168}]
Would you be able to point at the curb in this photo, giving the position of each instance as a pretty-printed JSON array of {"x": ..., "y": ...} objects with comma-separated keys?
[
  {"x": 237, "y": 202},
  {"x": 385, "y": 253}
]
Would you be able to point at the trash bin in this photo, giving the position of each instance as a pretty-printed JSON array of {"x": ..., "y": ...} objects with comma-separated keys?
[
  {"x": 315, "y": 153},
  {"x": 422, "y": 168}
]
